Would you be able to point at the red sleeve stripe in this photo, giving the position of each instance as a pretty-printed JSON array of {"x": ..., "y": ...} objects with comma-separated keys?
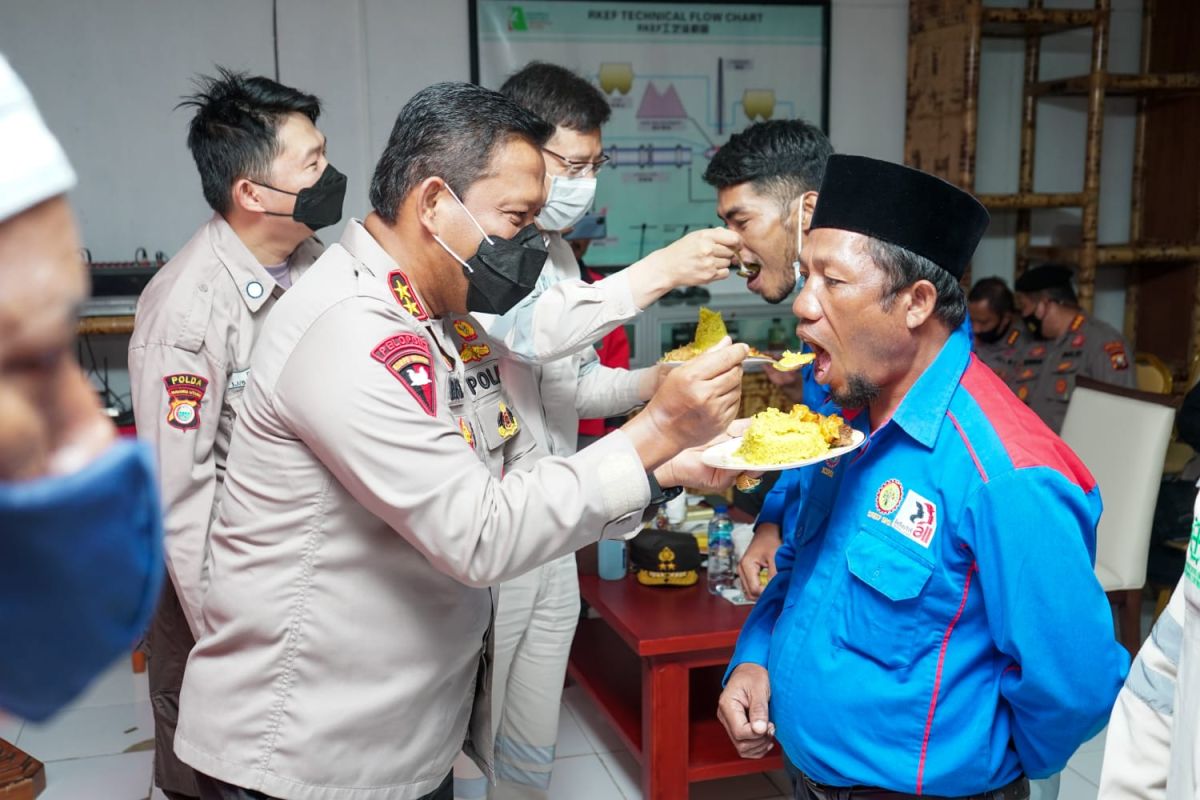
[{"x": 1024, "y": 437}]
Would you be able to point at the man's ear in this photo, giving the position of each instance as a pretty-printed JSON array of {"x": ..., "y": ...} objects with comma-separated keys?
[
  {"x": 428, "y": 195},
  {"x": 247, "y": 196},
  {"x": 808, "y": 202},
  {"x": 921, "y": 303}
]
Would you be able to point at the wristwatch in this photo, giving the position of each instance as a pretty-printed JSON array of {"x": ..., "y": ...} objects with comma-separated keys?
[{"x": 658, "y": 496}]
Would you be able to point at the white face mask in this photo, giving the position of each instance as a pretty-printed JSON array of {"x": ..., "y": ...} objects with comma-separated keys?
[
  {"x": 568, "y": 201},
  {"x": 799, "y": 240}
]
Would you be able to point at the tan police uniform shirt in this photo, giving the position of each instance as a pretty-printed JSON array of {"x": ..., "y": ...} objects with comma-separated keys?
[
  {"x": 1046, "y": 372},
  {"x": 1002, "y": 356},
  {"x": 375, "y": 490},
  {"x": 189, "y": 361}
]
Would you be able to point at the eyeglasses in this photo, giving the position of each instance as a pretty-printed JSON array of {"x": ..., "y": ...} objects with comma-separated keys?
[{"x": 580, "y": 169}]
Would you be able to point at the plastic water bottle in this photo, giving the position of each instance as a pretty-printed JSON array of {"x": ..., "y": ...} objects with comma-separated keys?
[
  {"x": 611, "y": 559},
  {"x": 720, "y": 553}
]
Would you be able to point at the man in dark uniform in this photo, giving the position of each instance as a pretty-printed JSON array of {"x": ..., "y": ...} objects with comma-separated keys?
[
  {"x": 998, "y": 342},
  {"x": 1067, "y": 343}
]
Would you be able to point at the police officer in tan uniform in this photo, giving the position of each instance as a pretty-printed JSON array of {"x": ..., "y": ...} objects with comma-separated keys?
[
  {"x": 264, "y": 173},
  {"x": 998, "y": 342},
  {"x": 1066, "y": 343},
  {"x": 380, "y": 481}
]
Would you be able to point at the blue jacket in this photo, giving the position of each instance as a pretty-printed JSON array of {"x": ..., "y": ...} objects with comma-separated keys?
[{"x": 935, "y": 626}]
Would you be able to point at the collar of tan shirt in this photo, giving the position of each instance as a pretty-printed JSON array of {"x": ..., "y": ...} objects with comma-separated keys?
[
  {"x": 254, "y": 283},
  {"x": 368, "y": 252}
]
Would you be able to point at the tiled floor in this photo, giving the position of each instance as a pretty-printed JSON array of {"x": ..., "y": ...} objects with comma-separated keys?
[{"x": 99, "y": 749}]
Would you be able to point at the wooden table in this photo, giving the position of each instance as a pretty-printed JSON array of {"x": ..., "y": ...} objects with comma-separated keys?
[
  {"x": 653, "y": 663},
  {"x": 22, "y": 777}
]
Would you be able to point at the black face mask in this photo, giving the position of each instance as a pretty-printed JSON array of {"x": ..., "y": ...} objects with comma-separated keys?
[
  {"x": 992, "y": 336},
  {"x": 503, "y": 271},
  {"x": 319, "y": 205}
]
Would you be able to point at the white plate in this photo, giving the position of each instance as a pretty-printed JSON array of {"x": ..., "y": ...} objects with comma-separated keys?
[
  {"x": 750, "y": 364},
  {"x": 721, "y": 455}
]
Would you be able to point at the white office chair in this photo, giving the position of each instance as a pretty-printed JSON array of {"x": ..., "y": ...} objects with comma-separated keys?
[{"x": 1121, "y": 435}]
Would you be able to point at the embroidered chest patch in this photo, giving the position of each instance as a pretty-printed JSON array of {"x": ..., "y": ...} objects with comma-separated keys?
[
  {"x": 468, "y": 433},
  {"x": 506, "y": 422},
  {"x": 471, "y": 350},
  {"x": 917, "y": 519},
  {"x": 184, "y": 393},
  {"x": 888, "y": 496},
  {"x": 406, "y": 357}
]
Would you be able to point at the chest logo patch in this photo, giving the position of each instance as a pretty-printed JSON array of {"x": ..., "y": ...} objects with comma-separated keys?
[
  {"x": 406, "y": 357},
  {"x": 506, "y": 423},
  {"x": 467, "y": 432},
  {"x": 184, "y": 393},
  {"x": 465, "y": 330},
  {"x": 887, "y": 499},
  {"x": 917, "y": 519}
]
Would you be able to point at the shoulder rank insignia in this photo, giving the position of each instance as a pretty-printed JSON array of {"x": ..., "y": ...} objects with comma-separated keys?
[
  {"x": 403, "y": 292},
  {"x": 506, "y": 423},
  {"x": 1013, "y": 335},
  {"x": 1077, "y": 323},
  {"x": 184, "y": 392},
  {"x": 406, "y": 356}
]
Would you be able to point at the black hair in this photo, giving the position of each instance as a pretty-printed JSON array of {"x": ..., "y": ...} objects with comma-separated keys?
[
  {"x": 1063, "y": 295},
  {"x": 995, "y": 293},
  {"x": 234, "y": 133},
  {"x": 781, "y": 158},
  {"x": 448, "y": 130},
  {"x": 558, "y": 95},
  {"x": 903, "y": 268}
]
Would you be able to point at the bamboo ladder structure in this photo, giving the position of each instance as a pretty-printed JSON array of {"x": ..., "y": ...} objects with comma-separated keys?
[{"x": 942, "y": 119}]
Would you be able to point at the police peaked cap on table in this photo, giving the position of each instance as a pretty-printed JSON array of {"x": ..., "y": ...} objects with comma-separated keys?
[
  {"x": 1047, "y": 276},
  {"x": 904, "y": 206}
]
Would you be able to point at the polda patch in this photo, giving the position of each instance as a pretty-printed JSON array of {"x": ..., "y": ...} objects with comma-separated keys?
[
  {"x": 184, "y": 393},
  {"x": 407, "y": 358}
]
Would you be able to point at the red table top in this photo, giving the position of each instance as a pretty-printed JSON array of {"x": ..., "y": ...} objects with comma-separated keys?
[{"x": 657, "y": 620}]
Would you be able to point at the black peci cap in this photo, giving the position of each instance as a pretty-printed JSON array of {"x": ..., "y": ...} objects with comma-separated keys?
[
  {"x": 1047, "y": 276},
  {"x": 901, "y": 205}
]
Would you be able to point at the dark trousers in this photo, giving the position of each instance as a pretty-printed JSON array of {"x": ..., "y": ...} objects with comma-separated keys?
[
  {"x": 213, "y": 789},
  {"x": 805, "y": 789},
  {"x": 168, "y": 644}
]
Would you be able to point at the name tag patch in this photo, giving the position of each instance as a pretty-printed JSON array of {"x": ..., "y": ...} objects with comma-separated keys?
[{"x": 238, "y": 380}]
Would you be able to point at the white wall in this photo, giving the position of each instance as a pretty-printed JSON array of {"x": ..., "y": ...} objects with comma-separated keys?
[{"x": 108, "y": 75}]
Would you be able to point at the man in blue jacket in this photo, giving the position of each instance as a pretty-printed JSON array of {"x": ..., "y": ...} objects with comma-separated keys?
[{"x": 935, "y": 627}]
